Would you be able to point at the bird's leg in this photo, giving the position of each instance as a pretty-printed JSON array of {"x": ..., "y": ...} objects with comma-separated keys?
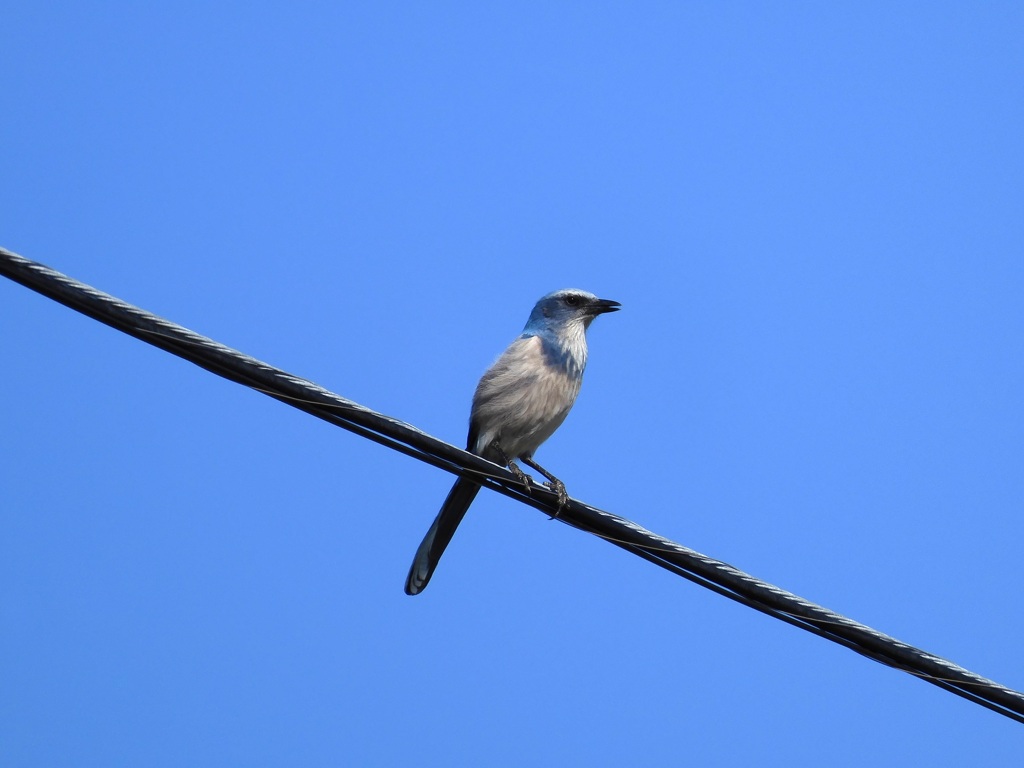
[
  {"x": 555, "y": 485},
  {"x": 521, "y": 476}
]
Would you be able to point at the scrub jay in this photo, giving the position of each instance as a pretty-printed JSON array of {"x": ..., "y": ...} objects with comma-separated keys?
[{"x": 520, "y": 401}]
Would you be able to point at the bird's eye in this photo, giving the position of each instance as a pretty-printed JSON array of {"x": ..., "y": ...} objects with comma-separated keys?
[{"x": 572, "y": 300}]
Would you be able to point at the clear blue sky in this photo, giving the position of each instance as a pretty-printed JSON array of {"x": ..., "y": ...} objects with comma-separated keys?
[{"x": 813, "y": 215}]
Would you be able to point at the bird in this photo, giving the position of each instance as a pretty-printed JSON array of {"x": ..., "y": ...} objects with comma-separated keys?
[{"x": 518, "y": 404}]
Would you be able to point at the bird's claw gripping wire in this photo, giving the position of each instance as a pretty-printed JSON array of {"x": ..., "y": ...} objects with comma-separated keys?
[
  {"x": 563, "y": 498},
  {"x": 554, "y": 484},
  {"x": 521, "y": 476}
]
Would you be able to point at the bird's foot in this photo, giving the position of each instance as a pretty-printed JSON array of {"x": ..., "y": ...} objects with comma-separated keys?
[
  {"x": 563, "y": 498},
  {"x": 521, "y": 476}
]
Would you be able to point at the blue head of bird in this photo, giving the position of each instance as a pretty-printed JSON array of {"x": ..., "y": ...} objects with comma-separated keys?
[{"x": 567, "y": 310}]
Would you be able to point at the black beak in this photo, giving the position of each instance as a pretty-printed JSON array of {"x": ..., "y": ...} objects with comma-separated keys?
[{"x": 601, "y": 306}]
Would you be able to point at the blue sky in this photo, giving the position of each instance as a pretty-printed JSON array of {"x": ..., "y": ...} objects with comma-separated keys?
[{"x": 812, "y": 215}]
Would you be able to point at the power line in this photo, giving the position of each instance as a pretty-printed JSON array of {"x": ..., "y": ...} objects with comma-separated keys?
[{"x": 397, "y": 435}]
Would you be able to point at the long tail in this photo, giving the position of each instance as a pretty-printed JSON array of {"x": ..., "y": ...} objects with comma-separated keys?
[{"x": 433, "y": 545}]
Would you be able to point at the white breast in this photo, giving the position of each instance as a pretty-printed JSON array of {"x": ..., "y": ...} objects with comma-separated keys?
[{"x": 524, "y": 398}]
